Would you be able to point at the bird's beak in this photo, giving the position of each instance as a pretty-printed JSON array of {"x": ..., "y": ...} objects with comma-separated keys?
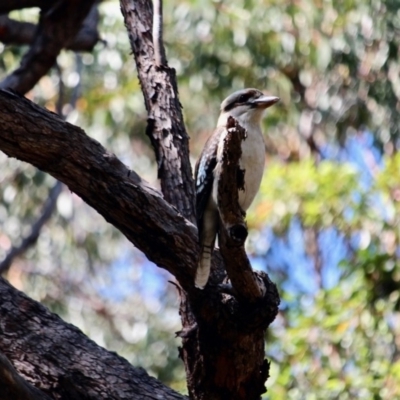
[{"x": 265, "y": 101}]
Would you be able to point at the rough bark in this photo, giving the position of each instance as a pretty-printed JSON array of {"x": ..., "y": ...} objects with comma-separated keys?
[
  {"x": 165, "y": 121},
  {"x": 224, "y": 349},
  {"x": 61, "y": 361}
]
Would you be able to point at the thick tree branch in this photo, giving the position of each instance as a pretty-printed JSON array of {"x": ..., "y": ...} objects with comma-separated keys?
[
  {"x": 16, "y": 32},
  {"x": 22, "y": 33},
  {"x": 233, "y": 230},
  {"x": 62, "y": 361},
  {"x": 165, "y": 122},
  {"x": 57, "y": 29},
  {"x": 223, "y": 343},
  {"x": 34, "y": 135}
]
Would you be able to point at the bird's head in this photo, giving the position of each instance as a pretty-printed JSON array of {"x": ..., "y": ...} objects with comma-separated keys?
[{"x": 246, "y": 106}]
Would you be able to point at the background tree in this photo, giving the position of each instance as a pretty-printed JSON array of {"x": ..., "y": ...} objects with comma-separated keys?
[{"x": 325, "y": 226}]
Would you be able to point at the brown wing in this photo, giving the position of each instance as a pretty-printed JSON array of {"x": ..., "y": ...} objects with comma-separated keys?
[{"x": 204, "y": 174}]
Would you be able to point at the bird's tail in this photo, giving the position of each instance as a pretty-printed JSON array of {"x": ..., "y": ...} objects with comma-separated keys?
[
  {"x": 203, "y": 267},
  {"x": 208, "y": 227}
]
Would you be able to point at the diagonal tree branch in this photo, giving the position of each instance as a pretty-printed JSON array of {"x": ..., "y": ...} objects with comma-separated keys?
[
  {"x": 57, "y": 29},
  {"x": 43, "y": 139},
  {"x": 165, "y": 122},
  {"x": 16, "y": 32},
  {"x": 22, "y": 33},
  {"x": 62, "y": 361},
  {"x": 47, "y": 211}
]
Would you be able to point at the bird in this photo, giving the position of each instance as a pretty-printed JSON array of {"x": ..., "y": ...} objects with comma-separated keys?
[{"x": 247, "y": 106}]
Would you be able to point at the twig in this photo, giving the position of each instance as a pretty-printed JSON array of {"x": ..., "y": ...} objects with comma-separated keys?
[{"x": 28, "y": 241}]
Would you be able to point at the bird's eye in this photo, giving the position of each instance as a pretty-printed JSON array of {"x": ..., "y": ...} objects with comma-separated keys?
[{"x": 242, "y": 98}]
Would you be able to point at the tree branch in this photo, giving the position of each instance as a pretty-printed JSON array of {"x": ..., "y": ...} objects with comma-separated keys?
[
  {"x": 43, "y": 139},
  {"x": 57, "y": 28},
  {"x": 22, "y": 33},
  {"x": 29, "y": 240},
  {"x": 62, "y": 360},
  {"x": 233, "y": 230},
  {"x": 165, "y": 122}
]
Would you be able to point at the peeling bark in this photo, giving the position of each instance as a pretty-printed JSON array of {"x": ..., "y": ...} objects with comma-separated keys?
[{"x": 165, "y": 121}]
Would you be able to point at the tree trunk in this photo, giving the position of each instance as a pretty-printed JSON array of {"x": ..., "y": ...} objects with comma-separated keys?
[{"x": 223, "y": 344}]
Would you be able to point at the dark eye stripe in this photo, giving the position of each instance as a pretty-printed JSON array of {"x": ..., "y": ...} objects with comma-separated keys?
[{"x": 243, "y": 98}]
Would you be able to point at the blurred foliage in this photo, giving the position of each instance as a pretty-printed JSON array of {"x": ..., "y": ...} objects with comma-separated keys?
[
  {"x": 339, "y": 346},
  {"x": 289, "y": 191},
  {"x": 326, "y": 221}
]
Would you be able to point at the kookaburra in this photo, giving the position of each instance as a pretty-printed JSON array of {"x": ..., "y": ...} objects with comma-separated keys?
[{"x": 247, "y": 107}]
